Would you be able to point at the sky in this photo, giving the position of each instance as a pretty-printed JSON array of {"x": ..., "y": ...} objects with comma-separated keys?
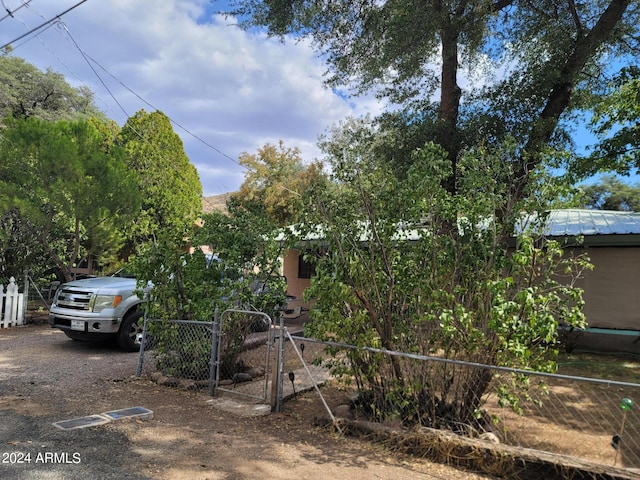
[{"x": 227, "y": 91}]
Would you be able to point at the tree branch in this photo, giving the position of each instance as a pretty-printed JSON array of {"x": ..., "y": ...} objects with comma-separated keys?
[{"x": 561, "y": 92}]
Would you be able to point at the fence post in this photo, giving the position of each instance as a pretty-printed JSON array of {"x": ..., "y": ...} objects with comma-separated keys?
[
  {"x": 213, "y": 362},
  {"x": 12, "y": 306},
  {"x": 2, "y": 307},
  {"x": 143, "y": 342},
  {"x": 25, "y": 292},
  {"x": 279, "y": 374}
]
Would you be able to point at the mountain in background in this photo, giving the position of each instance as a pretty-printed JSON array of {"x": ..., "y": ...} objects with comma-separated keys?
[{"x": 215, "y": 202}]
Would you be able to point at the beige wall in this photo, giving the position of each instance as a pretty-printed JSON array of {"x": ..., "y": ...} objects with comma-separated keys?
[
  {"x": 295, "y": 286},
  {"x": 612, "y": 288}
]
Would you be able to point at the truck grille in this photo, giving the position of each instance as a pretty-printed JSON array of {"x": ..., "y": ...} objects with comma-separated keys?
[{"x": 74, "y": 299}]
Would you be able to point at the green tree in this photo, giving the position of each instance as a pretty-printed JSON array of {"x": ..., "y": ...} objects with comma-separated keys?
[
  {"x": 27, "y": 92},
  {"x": 542, "y": 59},
  {"x": 407, "y": 266},
  {"x": 19, "y": 251},
  {"x": 190, "y": 286},
  {"x": 616, "y": 122},
  {"x": 169, "y": 184},
  {"x": 66, "y": 187},
  {"x": 456, "y": 164},
  {"x": 275, "y": 182},
  {"x": 610, "y": 193}
]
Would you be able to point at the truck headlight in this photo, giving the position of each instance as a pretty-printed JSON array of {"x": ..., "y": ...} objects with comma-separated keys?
[{"x": 100, "y": 302}]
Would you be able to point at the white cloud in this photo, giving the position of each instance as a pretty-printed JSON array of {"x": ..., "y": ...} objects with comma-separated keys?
[{"x": 233, "y": 89}]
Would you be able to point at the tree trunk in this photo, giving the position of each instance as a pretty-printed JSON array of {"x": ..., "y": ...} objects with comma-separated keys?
[
  {"x": 585, "y": 48},
  {"x": 449, "y": 100}
]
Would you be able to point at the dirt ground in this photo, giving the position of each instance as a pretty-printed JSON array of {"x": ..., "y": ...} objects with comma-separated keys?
[{"x": 46, "y": 378}]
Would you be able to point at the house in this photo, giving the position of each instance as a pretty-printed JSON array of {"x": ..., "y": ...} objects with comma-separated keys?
[{"x": 611, "y": 290}]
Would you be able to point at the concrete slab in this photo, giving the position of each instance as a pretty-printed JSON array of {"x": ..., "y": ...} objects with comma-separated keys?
[
  {"x": 101, "y": 419},
  {"x": 139, "y": 413},
  {"x": 239, "y": 408},
  {"x": 82, "y": 422}
]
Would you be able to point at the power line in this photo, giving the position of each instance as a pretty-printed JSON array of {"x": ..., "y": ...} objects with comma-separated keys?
[
  {"x": 88, "y": 59},
  {"x": 39, "y": 37},
  {"x": 185, "y": 129},
  {"x": 11, "y": 12},
  {"x": 56, "y": 21},
  {"x": 42, "y": 25},
  {"x": 84, "y": 56}
]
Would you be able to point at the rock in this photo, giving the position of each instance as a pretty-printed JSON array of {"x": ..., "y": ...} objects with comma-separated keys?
[
  {"x": 322, "y": 422},
  {"x": 256, "y": 372},
  {"x": 242, "y": 377},
  {"x": 168, "y": 381},
  {"x": 203, "y": 384},
  {"x": 187, "y": 384},
  {"x": 393, "y": 423},
  {"x": 343, "y": 411}
]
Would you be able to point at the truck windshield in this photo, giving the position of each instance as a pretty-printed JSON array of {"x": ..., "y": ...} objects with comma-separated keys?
[{"x": 124, "y": 273}]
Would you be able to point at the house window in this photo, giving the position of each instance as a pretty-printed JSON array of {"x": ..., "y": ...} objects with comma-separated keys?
[{"x": 306, "y": 269}]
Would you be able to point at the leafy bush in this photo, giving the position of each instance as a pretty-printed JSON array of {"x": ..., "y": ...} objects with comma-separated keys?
[
  {"x": 407, "y": 266},
  {"x": 194, "y": 286}
]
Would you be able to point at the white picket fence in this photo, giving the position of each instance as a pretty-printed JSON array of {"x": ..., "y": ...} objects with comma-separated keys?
[{"x": 12, "y": 308}]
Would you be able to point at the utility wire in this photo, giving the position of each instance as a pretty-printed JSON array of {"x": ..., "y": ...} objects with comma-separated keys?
[
  {"x": 62, "y": 25},
  {"x": 15, "y": 46},
  {"x": 11, "y": 12},
  {"x": 25, "y": 4},
  {"x": 42, "y": 25},
  {"x": 57, "y": 21},
  {"x": 185, "y": 129},
  {"x": 173, "y": 121},
  {"x": 88, "y": 59}
]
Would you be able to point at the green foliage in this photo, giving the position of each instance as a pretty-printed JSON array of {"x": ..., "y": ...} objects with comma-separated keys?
[
  {"x": 71, "y": 188},
  {"x": 185, "y": 287},
  {"x": 467, "y": 73},
  {"x": 275, "y": 182},
  {"x": 65, "y": 187},
  {"x": 612, "y": 194},
  {"x": 193, "y": 286},
  {"x": 19, "y": 251},
  {"x": 169, "y": 184},
  {"x": 616, "y": 121},
  {"x": 407, "y": 266},
  {"x": 27, "y": 92}
]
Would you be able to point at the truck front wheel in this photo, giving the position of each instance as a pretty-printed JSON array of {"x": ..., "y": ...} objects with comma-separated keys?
[{"x": 130, "y": 332}]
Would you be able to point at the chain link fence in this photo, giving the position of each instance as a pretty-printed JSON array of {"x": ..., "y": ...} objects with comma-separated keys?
[
  {"x": 245, "y": 353},
  {"x": 592, "y": 420},
  {"x": 179, "y": 353},
  {"x": 38, "y": 294},
  {"x": 232, "y": 353}
]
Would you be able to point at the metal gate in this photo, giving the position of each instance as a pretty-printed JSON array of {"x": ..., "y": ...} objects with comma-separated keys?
[{"x": 245, "y": 344}]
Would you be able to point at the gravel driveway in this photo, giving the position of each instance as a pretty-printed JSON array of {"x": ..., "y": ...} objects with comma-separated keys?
[{"x": 46, "y": 378}]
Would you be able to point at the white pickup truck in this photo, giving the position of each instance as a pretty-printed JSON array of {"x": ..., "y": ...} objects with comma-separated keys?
[{"x": 98, "y": 309}]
